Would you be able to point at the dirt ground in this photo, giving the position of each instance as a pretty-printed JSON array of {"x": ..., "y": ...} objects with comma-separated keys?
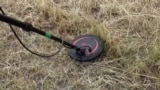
[{"x": 130, "y": 29}]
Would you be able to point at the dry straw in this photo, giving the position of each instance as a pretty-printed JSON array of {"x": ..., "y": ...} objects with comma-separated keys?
[{"x": 130, "y": 29}]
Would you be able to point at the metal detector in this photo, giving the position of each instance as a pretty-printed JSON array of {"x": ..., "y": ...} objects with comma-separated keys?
[{"x": 82, "y": 48}]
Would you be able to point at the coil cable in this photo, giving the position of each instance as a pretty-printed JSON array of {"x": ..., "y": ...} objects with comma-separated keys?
[{"x": 20, "y": 41}]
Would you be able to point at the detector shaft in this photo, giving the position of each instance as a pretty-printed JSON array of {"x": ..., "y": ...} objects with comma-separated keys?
[{"x": 28, "y": 27}]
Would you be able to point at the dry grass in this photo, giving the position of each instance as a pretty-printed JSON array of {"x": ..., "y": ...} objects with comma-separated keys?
[{"x": 130, "y": 29}]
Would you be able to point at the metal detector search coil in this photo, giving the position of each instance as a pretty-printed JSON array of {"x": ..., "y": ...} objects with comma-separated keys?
[{"x": 91, "y": 48}]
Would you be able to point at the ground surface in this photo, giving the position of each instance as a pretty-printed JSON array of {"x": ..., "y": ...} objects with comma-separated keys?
[{"x": 130, "y": 28}]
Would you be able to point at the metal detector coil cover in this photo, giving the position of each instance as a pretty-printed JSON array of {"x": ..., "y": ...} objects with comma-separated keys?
[{"x": 91, "y": 48}]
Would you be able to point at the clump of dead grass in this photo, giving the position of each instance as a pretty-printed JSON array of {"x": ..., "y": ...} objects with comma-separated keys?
[{"x": 73, "y": 24}]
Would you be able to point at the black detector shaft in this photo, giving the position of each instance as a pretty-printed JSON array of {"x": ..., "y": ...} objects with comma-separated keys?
[{"x": 28, "y": 27}]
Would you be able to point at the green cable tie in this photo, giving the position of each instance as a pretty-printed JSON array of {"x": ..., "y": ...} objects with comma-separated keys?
[{"x": 48, "y": 35}]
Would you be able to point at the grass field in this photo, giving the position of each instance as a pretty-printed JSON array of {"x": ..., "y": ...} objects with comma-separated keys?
[{"x": 130, "y": 28}]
